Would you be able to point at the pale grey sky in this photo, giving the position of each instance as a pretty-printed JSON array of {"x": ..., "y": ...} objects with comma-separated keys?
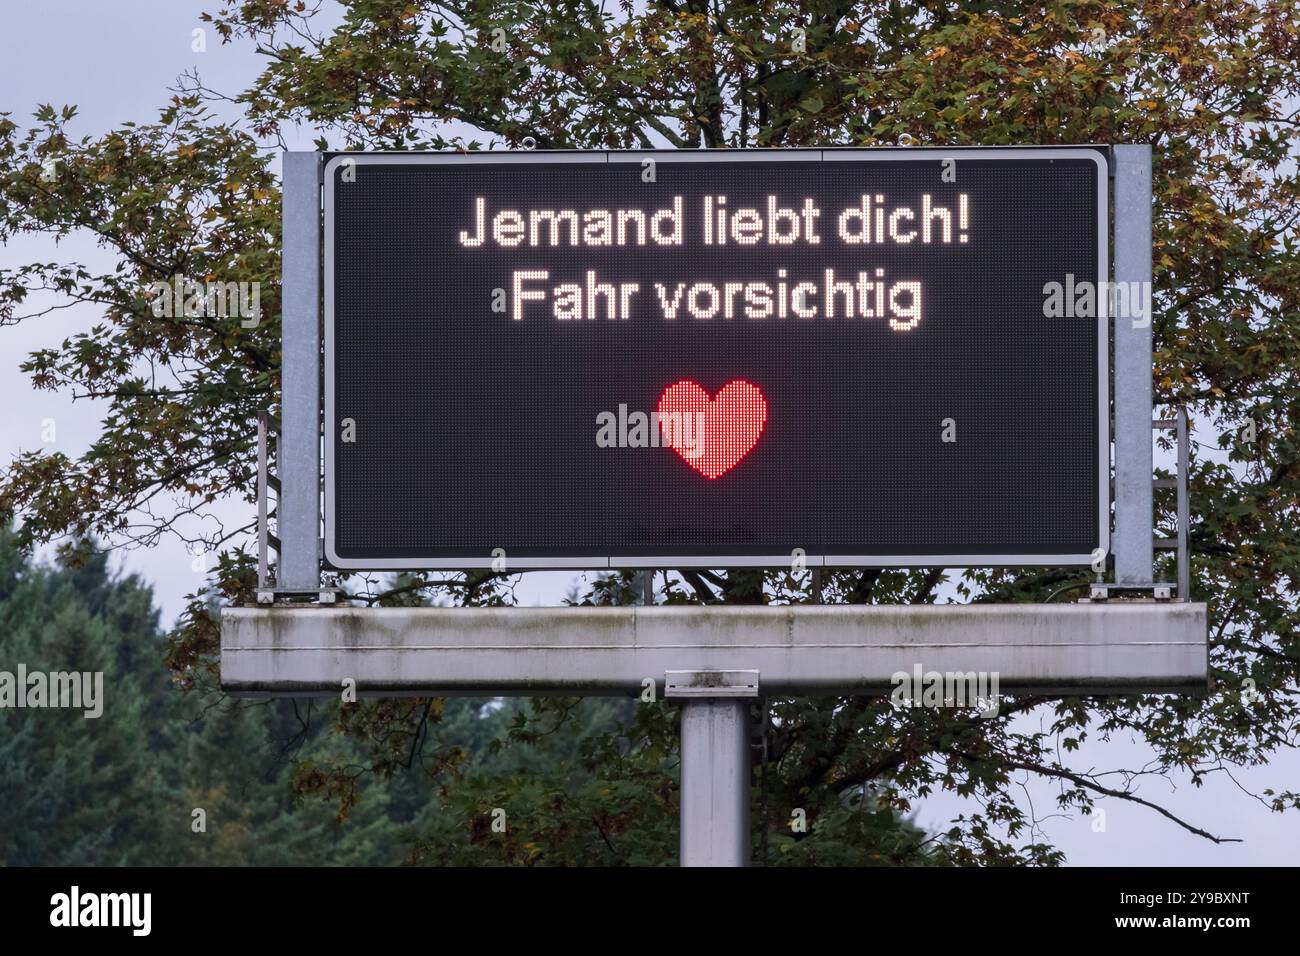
[{"x": 116, "y": 60}]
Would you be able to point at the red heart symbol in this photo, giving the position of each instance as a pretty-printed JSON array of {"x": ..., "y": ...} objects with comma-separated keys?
[{"x": 712, "y": 434}]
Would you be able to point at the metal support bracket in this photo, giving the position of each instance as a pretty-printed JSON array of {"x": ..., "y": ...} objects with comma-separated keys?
[
  {"x": 1103, "y": 590},
  {"x": 328, "y": 595},
  {"x": 1181, "y": 541},
  {"x": 1162, "y": 590},
  {"x": 268, "y": 592},
  {"x": 696, "y": 684}
]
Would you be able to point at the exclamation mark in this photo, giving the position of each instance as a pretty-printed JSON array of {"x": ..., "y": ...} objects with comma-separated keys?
[{"x": 963, "y": 217}]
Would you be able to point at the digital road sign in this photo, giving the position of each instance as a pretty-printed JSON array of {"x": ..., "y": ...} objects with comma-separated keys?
[{"x": 713, "y": 359}]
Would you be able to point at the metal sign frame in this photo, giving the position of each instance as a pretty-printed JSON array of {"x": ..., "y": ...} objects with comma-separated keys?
[{"x": 844, "y": 155}]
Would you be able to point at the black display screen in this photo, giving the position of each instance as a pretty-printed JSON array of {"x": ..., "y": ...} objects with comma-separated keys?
[{"x": 674, "y": 359}]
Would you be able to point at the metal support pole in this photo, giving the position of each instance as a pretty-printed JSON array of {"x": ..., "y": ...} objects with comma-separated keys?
[
  {"x": 1133, "y": 505},
  {"x": 298, "y": 451},
  {"x": 263, "y": 533},
  {"x": 715, "y": 782},
  {"x": 1184, "y": 508}
]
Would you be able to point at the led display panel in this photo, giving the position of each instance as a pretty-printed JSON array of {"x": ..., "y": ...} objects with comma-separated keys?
[{"x": 712, "y": 359}]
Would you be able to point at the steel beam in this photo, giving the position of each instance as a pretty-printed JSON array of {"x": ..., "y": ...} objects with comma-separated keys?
[
  {"x": 1131, "y": 543},
  {"x": 298, "y": 450},
  {"x": 1094, "y": 648}
]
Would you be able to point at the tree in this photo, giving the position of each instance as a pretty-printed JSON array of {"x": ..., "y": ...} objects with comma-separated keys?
[
  {"x": 122, "y": 788},
  {"x": 79, "y": 789},
  {"x": 1211, "y": 85},
  {"x": 160, "y": 778}
]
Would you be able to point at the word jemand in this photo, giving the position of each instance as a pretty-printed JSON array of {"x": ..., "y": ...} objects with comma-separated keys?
[
  {"x": 860, "y": 295},
  {"x": 872, "y": 221}
]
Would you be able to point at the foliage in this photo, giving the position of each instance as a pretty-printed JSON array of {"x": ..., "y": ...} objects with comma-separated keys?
[{"x": 123, "y": 788}]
